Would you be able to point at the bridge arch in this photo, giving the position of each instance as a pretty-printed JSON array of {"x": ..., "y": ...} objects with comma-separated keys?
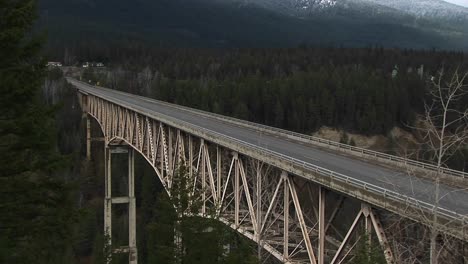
[
  {"x": 254, "y": 198},
  {"x": 117, "y": 140}
]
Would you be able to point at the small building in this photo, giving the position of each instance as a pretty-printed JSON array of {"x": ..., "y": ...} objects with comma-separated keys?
[
  {"x": 92, "y": 64},
  {"x": 395, "y": 72},
  {"x": 54, "y": 64}
]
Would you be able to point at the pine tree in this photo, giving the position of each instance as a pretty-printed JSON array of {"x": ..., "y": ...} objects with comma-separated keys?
[
  {"x": 278, "y": 115},
  {"x": 368, "y": 253},
  {"x": 177, "y": 235},
  {"x": 35, "y": 205}
]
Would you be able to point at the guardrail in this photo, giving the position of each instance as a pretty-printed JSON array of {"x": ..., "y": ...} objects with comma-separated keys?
[
  {"x": 320, "y": 141},
  {"x": 315, "y": 140},
  {"x": 389, "y": 194}
]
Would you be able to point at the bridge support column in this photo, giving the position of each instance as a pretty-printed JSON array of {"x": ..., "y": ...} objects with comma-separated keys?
[
  {"x": 133, "y": 253},
  {"x": 322, "y": 224},
  {"x": 366, "y": 210},
  {"x": 108, "y": 204},
  {"x": 88, "y": 138},
  {"x": 284, "y": 175},
  {"x": 131, "y": 249},
  {"x": 83, "y": 101},
  {"x": 203, "y": 175},
  {"x": 370, "y": 221},
  {"x": 236, "y": 190}
]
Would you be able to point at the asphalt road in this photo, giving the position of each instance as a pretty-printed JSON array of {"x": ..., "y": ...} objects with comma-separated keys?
[{"x": 396, "y": 180}]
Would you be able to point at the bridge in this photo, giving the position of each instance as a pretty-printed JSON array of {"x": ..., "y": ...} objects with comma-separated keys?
[{"x": 301, "y": 198}]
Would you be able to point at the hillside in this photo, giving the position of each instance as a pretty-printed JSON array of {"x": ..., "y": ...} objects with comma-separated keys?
[{"x": 214, "y": 23}]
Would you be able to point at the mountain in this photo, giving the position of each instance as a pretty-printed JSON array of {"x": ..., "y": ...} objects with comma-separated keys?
[
  {"x": 292, "y": 6},
  {"x": 418, "y": 8},
  {"x": 251, "y": 23},
  {"x": 424, "y": 8}
]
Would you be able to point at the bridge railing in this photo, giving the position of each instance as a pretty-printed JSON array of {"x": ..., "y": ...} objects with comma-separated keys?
[
  {"x": 350, "y": 180},
  {"x": 358, "y": 151},
  {"x": 386, "y": 193},
  {"x": 389, "y": 194},
  {"x": 327, "y": 143}
]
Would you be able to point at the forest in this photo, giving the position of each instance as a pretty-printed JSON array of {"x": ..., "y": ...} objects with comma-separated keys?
[
  {"x": 51, "y": 198},
  {"x": 368, "y": 91},
  {"x": 229, "y": 24}
]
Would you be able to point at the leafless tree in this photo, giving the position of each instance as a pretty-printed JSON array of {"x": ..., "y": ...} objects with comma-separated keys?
[
  {"x": 145, "y": 81},
  {"x": 444, "y": 129}
]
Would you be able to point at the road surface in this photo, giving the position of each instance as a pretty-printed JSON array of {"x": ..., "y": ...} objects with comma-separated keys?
[{"x": 453, "y": 199}]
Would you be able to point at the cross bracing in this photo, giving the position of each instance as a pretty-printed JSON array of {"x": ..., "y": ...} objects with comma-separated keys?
[{"x": 286, "y": 205}]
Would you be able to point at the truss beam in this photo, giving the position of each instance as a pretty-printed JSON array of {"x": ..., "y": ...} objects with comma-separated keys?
[{"x": 286, "y": 215}]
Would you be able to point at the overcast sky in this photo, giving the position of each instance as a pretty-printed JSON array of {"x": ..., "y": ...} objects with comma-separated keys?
[{"x": 459, "y": 2}]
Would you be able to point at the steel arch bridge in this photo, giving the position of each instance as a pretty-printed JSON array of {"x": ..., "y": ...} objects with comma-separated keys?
[{"x": 297, "y": 212}]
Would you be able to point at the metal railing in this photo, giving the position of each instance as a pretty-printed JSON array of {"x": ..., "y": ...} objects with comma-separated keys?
[
  {"x": 321, "y": 142},
  {"x": 389, "y": 194},
  {"x": 312, "y": 139}
]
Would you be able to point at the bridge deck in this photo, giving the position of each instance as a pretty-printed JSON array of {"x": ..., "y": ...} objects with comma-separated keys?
[{"x": 380, "y": 175}]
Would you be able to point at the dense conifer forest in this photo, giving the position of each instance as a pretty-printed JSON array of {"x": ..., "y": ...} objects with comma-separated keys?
[
  {"x": 51, "y": 199},
  {"x": 37, "y": 208},
  {"x": 368, "y": 91}
]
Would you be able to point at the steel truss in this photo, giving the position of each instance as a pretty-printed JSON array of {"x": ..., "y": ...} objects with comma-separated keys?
[{"x": 293, "y": 219}]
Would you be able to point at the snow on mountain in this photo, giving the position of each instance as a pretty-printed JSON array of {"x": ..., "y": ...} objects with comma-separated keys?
[
  {"x": 418, "y": 8},
  {"x": 422, "y": 8},
  {"x": 292, "y": 7},
  {"x": 306, "y": 4}
]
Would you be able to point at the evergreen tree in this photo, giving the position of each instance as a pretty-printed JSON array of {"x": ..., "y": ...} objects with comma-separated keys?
[
  {"x": 278, "y": 114},
  {"x": 368, "y": 253},
  {"x": 344, "y": 138},
  {"x": 241, "y": 111},
  {"x": 177, "y": 235},
  {"x": 35, "y": 204}
]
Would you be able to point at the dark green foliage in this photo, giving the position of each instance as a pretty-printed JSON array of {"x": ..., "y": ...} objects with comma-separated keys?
[
  {"x": 358, "y": 109},
  {"x": 177, "y": 236},
  {"x": 36, "y": 207},
  {"x": 213, "y": 23},
  {"x": 344, "y": 138},
  {"x": 88, "y": 74},
  {"x": 298, "y": 89},
  {"x": 368, "y": 253},
  {"x": 147, "y": 190}
]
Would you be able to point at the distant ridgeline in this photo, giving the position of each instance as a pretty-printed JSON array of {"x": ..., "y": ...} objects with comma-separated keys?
[
  {"x": 247, "y": 23},
  {"x": 368, "y": 91}
]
